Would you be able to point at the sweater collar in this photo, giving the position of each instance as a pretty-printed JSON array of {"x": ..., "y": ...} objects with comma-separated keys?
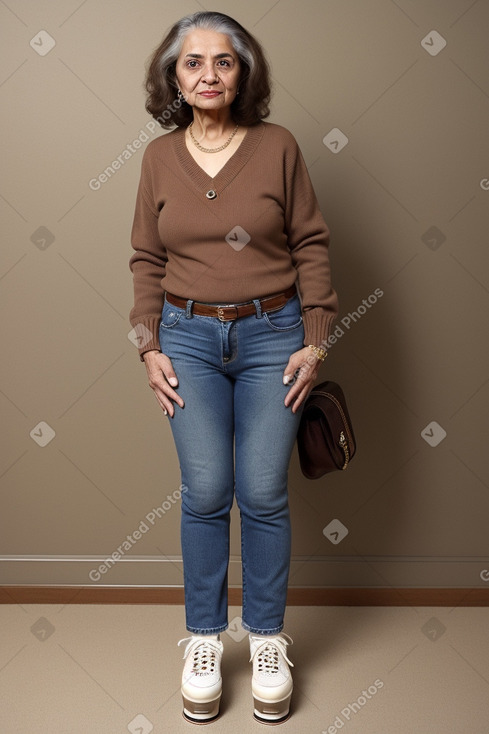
[{"x": 230, "y": 169}]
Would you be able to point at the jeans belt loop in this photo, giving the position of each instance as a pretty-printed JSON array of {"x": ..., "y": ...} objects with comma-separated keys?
[
  {"x": 257, "y": 304},
  {"x": 188, "y": 309}
]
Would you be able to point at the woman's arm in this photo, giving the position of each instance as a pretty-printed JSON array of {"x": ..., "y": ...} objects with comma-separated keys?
[
  {"x": 308, "y": 240},
  {"x": 148, "y": 265}
]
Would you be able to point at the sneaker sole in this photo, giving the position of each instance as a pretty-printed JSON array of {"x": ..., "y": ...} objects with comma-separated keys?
[
  {"x": 271, "y": 712},
  {"x": 201, "y": 712}
]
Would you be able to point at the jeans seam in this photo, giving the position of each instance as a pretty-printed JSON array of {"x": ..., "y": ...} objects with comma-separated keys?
[
  {"x": 207, "y": 630},
  {"x": 243, "y": 571},
  {"x": 282, "y": 328}
]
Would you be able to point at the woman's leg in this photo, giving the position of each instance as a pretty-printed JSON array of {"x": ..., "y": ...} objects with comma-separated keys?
[
  {"x": 265, "y": 432},
  {"x": 203, "y": 434},
  {"x": 265, "y": 436}
]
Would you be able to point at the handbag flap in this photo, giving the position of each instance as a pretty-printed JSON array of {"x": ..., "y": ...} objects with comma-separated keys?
[
  {"x": 325, "y": 438},
  {"x": 320, "y": 401}
]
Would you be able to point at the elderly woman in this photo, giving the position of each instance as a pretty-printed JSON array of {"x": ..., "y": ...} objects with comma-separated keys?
[{"x": 232, "y": 303}]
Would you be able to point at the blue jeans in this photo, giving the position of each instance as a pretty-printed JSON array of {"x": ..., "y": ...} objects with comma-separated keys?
[{"x": 234, "y": 436}]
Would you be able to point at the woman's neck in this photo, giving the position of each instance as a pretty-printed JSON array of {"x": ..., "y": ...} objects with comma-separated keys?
[{"x": 212, "y": 124}]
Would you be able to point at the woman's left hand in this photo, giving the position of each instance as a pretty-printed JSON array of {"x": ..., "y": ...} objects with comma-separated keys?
[{"x": 301, "y": 373}]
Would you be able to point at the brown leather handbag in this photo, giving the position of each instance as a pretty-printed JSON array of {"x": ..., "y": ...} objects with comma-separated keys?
[{"x": 325, "y": 439}]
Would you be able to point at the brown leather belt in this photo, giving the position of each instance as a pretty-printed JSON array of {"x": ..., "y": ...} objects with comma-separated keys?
[{"x": 232, "y": 311}]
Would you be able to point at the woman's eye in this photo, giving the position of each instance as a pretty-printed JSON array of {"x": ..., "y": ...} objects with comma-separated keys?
[{"x": 193, "y": 63}]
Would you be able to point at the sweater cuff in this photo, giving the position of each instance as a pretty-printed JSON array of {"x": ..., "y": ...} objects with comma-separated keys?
[
  {"x": 317, "y": 326},
  {"x": 145, "y": 334}
]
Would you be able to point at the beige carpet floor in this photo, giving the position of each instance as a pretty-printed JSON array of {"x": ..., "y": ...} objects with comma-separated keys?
[{"x": 107, "y": 669}]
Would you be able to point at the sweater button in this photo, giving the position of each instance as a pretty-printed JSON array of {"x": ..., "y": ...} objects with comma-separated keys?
[{"x": 211, "y": 194}]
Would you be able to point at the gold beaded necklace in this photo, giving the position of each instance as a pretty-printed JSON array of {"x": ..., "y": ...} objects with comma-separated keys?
[{"x": 211, "y": 150}]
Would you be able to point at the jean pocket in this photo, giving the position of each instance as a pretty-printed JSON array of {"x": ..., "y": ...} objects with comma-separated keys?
[
  {"x": 286, "y": 318},
  {"x": 170, "y": 316}
]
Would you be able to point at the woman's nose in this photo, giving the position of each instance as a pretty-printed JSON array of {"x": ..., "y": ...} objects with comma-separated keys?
[{"x": 209, "y": 75}]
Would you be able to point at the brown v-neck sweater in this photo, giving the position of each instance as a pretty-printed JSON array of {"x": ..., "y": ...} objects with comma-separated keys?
[{"x": 262, "y": 232}]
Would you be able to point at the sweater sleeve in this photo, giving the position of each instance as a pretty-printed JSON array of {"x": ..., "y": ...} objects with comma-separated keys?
[
  {"x": 308, "y": 241},
  {"x": 147, "y": 265}
]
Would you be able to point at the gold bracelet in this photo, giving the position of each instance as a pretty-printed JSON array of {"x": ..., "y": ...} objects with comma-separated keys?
[{"x": 320, "y": 353}]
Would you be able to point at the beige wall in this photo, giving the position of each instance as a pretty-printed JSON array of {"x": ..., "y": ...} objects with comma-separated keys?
[{"x": 407, "y": 200}]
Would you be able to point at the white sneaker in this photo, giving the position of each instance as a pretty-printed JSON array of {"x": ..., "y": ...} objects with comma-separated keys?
[
  {"x": 271, "y": 683},
  {"x": 201, "y": 678}
]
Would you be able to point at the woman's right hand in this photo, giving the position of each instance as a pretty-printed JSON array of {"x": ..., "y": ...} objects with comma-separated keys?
[{"x": 162, "y": 379}]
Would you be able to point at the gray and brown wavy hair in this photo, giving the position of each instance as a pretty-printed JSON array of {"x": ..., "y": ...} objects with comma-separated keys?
[{"x": 248, "y": 108}]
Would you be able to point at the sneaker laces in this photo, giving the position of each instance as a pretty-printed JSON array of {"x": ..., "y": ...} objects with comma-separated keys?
[
  {"x": 203, "y": 652},
  {"x": 267, "y": 653}
]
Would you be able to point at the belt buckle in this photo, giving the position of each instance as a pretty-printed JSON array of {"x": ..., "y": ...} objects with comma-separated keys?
[{"x": 222, "y": 313}]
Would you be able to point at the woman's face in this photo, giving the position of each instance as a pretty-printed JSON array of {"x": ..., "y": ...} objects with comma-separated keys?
[{"x": 208, "y": 70}]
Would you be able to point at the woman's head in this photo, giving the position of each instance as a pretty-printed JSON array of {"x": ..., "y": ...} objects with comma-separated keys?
[{"x": 207, "y": 51}]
